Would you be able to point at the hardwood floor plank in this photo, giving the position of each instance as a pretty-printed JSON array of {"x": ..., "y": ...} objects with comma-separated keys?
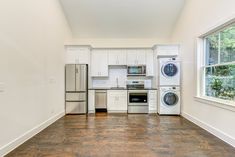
[{"x": 123, "y": 135}]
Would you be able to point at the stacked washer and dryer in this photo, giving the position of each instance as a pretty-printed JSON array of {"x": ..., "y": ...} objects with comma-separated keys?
[{"x": 169, "y": 86}]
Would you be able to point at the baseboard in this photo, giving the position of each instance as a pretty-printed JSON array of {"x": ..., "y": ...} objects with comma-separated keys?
[
  {"x": 91, "y": 111},
  {"x": 117, "y": 111},
  {"x": 21, "y": 139},
  {"x": 152, "y": 111},
  {"x": 216, "y": 132}
]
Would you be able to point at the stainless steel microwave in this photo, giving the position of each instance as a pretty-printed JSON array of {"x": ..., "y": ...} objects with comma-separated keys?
[{"x": 136, "y": 70}]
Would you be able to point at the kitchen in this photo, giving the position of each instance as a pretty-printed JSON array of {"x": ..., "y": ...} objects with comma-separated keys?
[{"x": 117, "y": 77}]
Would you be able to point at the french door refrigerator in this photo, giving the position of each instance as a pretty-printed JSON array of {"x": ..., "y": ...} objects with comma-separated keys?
[{"x": 76, "y": 84}]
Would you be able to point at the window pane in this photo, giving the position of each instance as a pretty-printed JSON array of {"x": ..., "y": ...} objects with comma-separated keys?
[
  {"x": 227, "y": 45},
  {"x": 212, "y": 43},
  {"x": 220, "y": 82}
]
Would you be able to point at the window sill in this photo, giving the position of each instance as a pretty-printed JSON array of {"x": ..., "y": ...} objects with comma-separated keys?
[{"x": 228, "y": 105}]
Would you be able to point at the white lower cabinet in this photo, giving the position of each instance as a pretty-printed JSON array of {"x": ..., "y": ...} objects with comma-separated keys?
[
  {"x": 152, "y": 101},
  {"x": 91, "y": 101},
  {"x": 117, "y": 101}
]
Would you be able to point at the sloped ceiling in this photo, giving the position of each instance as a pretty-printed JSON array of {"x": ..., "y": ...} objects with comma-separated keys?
[{"x": 122, "y": 18}]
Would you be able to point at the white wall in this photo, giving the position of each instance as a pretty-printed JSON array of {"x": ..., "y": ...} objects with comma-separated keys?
[
  {"x": 32, "y": 39},
  {"x": 197, "y": 17}
]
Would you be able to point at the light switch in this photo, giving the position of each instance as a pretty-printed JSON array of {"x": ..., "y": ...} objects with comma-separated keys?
[{"x": 2, "y": 87}]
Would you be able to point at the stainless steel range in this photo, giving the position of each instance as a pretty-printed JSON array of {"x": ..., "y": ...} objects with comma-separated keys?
[{"x": 137, "y": 97}]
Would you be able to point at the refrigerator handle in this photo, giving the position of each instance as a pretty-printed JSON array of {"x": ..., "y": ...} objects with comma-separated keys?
[{"x": 76, "y": 70}]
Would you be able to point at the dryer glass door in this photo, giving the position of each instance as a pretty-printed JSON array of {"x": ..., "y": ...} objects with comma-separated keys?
[
  {"x": 170, "y": 99},
  {"x": 169, "y": 70}
]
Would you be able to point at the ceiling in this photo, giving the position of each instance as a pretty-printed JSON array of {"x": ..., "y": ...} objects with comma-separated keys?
[{"x": 122, "y": 18}]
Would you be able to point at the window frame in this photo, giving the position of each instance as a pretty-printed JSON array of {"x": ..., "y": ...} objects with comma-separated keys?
[{"x": 201, "y": 65}]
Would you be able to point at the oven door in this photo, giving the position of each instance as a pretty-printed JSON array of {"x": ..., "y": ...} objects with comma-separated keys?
[{"x": 138, "y": 97}]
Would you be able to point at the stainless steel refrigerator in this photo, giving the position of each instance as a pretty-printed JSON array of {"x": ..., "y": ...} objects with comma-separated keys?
[{"x": 76, "y": 84}]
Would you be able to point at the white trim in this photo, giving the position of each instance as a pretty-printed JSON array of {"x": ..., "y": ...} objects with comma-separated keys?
[
  {"x": 225, "y": 104},
  {"x": 221, "y": 64},
  {"x": 200, "y": 62},
  {"x": 117, "y": 111},
  {"x": 29, "y": 134},
  {"x": 219, "y": 25},
  {"x": 152, "y": 111},
  {"x": 216, "y": 132},
  {"x": 91, "y": 111},
  {"x": 201, "y": 65}
]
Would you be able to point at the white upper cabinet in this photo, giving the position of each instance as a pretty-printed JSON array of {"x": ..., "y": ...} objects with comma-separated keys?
[
  {"x": 141, "y": 57},
  {"x": 149, "y": 62},
  {"x": 117, "y": 100},
  {"x": 167, "y": 50},
  {"x": 117, "y": 56},
  {"x": 77, "y": 55},
  {"x": 136, "y": 57},
  {"x": 99, "y": 63}
]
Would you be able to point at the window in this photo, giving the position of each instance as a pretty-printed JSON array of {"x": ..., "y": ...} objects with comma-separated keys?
[{"x": 219, "y": 66}]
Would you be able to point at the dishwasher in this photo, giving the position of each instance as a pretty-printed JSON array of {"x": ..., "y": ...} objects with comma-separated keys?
[{"x": 101, "y": 100}]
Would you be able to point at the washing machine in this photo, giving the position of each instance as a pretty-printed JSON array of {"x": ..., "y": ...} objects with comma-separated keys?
[
  {"x": 169, "y": 100},
  {"x": 169, "y": 72}
]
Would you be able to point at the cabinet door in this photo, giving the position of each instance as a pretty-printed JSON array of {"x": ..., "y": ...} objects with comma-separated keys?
[
  {"x": 111, "y": 100},
  {"x": 113, "y": 57},
  {"x": 131, "y": 57},
  {"x": 117, "y": 100},
  {"x": 94, "y": 65},
  {"x": 77, "y": 55},
  {"x": 140, "y": 57},
  {"x": 122, "y": 100},
  {"x": 99, "y": 63},
  {"x": 91, "y": 101},
  {"x": 152, "y": 101},
  {"x": 121, "y": 57},
  {"x": 168, "y": 50},
  {"x": 117, "y": 57},
  {"x": 149, "y": 63}
]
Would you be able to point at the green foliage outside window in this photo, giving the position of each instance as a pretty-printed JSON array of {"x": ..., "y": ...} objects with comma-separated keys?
[{"x": 220, "y": 79}]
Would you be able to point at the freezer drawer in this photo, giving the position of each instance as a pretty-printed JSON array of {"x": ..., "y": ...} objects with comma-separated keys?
[
  {"x": 75, "y": 107},
  {"x": 76, "y": 96}
]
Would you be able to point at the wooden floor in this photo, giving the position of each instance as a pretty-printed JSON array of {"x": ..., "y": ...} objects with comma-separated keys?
[{"x": 124, "y": 135}]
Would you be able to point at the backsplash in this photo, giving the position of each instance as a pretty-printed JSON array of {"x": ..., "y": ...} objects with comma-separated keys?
[{"x": 119, "y": 72}]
